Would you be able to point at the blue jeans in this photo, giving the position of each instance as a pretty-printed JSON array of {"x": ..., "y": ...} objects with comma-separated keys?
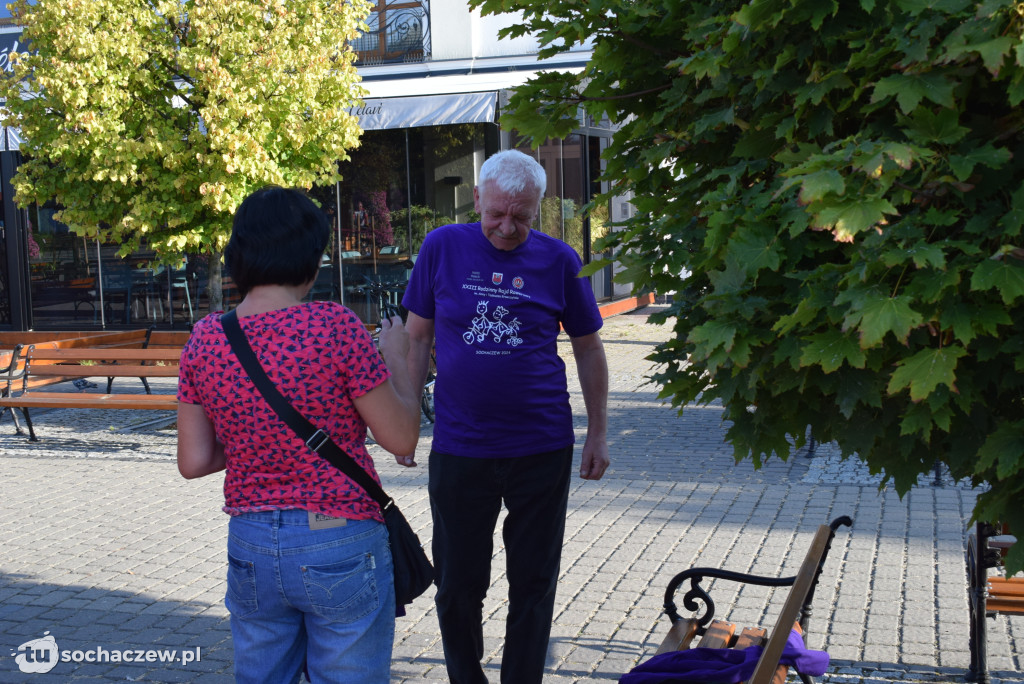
[
  {"x": 466, "y": 495},
  {"x": 323, "y": 599}
]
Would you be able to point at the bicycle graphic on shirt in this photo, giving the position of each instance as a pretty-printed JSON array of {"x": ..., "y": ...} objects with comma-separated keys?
[{"x": 481, "y": 326}]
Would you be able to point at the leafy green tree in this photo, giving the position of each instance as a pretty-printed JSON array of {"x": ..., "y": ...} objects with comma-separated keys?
[
  {"x": 845, "y": 182},
  {"x": 152, "y": 119}
]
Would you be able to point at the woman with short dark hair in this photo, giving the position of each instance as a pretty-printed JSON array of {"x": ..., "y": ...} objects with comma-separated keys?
[
  {"x": 309, "y": 567},
  {"x": 277, "y": 238}
]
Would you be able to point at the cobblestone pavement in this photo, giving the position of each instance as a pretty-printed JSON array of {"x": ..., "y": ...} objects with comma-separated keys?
[{"x": 105, "y": 548}]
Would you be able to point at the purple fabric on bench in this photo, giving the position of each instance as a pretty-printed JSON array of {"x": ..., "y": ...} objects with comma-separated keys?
[{"x": 723, "y": 665}]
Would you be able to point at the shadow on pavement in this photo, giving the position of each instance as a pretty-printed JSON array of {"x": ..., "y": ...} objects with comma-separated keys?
[{"x": 56, "y": 632}]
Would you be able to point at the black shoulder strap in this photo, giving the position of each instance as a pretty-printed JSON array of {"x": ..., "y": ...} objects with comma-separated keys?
[{"x": 316, "y": 439}]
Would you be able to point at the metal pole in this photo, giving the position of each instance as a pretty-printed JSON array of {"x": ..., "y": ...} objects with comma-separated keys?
[
  {"x": 338, "y": 259},
  {"x": 408, "y": 191},
  {"x": 19, "y": 280},
  {"x": 99, "y": 284}
]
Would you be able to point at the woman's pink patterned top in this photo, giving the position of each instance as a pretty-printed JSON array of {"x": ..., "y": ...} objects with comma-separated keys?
[{"x": 320, "y": 356}]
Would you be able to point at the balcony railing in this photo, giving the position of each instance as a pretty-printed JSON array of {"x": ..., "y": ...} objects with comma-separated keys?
[{"x": 399, "y": 32}]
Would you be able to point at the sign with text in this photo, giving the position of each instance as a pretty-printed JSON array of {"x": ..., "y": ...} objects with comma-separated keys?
[{"x": 426, "y": 110}]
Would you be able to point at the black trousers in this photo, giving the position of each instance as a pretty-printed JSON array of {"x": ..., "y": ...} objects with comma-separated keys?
[{"x": 466, "y": 495}]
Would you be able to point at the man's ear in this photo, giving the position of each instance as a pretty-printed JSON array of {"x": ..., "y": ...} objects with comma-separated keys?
[{"x": 476, "y": 198}]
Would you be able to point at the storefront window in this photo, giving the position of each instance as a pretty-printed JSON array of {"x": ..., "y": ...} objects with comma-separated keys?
[
  {"x": 398, "y": 185},
  {"x": 79, "y": 283},
  {"x": 600, "y": 217},
  {"x": 571, "y": 164},
  {"x": 61, "y": 271},
  {"x": 561, "y": 213}
]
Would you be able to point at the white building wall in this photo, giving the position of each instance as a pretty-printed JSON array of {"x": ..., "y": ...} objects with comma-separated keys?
[
  {"x": 458, "y": 33},
  {"x": 451, "y": 30},
  {"x": 485, "y": 37}
]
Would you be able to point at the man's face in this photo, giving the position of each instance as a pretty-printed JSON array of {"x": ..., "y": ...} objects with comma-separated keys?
[{"x": 505, "y": 217}]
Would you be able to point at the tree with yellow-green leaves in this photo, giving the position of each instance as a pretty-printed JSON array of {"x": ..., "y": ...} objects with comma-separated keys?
[{"x": 151, "y": 120}]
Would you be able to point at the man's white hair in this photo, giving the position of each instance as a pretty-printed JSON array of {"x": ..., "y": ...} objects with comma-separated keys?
[{"x": 514, "y": 172}]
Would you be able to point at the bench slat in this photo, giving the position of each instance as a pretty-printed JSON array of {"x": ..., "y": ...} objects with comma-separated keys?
[
  {"x": 1008, "y": 586},
  {"x": 718, "y": 635},
  {"x": 73, "y": 337},
  {"x": 679, "y": 636},
  {"x": 165, "y": 402},
  {"x": 750, "y": 636},
  {"x": 1010, "y": 606},
  {"x": 111, "y": 338},
  {"x": 108, "y": 370},
  {"x": 114, "y": 340},
  {"x": 169, "y": 338},
  {"x": 106, "y": 354},
  {"x": 1005, "y": 595},
  {"x": 35, "y": 383},
  {"x": 13, "y": 339}
]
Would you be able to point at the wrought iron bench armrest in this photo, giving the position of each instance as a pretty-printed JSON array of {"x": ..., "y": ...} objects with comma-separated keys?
[{"x": 697, "y": 593}]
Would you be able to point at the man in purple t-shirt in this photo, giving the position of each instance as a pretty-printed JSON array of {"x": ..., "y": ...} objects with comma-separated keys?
[{"x": 496, "y": 295}]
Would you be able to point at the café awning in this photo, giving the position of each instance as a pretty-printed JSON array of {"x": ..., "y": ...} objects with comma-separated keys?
[
  {"x": 426, "y": 110},
  {"x": 425, "y": 99}
]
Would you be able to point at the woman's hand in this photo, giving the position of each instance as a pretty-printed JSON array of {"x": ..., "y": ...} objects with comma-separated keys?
[
  {"x": 393, "y": 339},
  {"x": 392, "y": 410},
  {"x": 408, "y": 461}
]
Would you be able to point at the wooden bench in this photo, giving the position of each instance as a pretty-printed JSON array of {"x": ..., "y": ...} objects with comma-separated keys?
[
  {"x": 49, "y": 363},
  {"x": 157, "y": 338},
  {"x": 14, "y": 370},
  {"x": 795, "y": 612},
  {"x": 989, "y": 595}
]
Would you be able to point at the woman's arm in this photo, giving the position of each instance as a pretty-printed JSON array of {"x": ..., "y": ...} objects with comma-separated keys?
[
  {"x": 199, "y": 452},
  {"x": 392, "y": 409}
]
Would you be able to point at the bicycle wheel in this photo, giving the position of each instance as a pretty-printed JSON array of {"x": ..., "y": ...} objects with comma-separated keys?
[{"x": 427, "y": 400}]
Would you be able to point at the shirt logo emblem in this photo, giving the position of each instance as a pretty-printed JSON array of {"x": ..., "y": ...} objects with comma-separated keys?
[
  {"x": 517, "y": 283},
  {"x": 496, "y": 278}
]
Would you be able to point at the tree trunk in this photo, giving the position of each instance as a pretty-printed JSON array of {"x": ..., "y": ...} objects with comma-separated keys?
[{"x": 214, "y": 281}]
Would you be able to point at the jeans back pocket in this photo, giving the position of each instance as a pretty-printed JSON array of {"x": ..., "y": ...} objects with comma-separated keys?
[
  {"x": 241, "y": 594},
  {"x": 343, "y": 591}
]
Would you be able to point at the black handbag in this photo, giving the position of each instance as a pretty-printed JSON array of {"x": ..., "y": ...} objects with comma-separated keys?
[{"x": 413, "y": 572}]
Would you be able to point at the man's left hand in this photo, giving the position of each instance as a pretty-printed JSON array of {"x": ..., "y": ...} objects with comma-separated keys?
[{"x": 595, "y": 459}]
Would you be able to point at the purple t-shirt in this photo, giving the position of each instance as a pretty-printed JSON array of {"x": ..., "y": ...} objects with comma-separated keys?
[{"x": 501, "y": 386}]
